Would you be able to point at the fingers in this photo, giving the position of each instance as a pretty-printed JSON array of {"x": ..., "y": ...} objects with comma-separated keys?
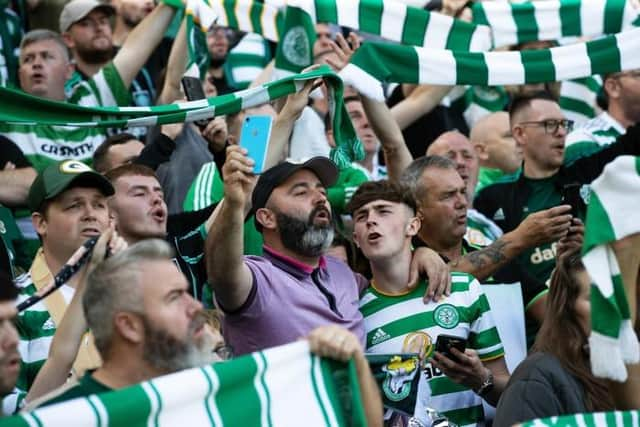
[
  {"x": 117, "y": 243},
  {"x": 237, "y": 162},
  {"x": 429, "y": 263},
  {"x": 333, "y": 342}
]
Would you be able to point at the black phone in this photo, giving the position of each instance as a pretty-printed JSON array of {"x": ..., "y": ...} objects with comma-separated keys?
[
  {"x": 444, "y": 343},
  {"x": 571, "y": 196},
  {"x": 194, "y": 91}
]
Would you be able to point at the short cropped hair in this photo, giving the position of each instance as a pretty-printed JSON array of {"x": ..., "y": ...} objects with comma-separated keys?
[
  {"x": 131, "y": 169},
  {"x": 114, "y": 286},
  {"x": 410, "y": 178},
  {"x": 100, "y": 155},
  {"x": 380, "y": 190},
  {"x": 41, "y": 35},
  {"x": 521, "y": 102}
]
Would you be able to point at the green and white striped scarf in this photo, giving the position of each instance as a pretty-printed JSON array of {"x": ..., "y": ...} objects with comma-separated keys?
[
  {"x": 282, "y": 386},
  {"x": 514, "y": 23},
  {"x": 374, "y": 63},
  {"x": 19, "y": 107},
  {"x": 597, "y": 419},
  {"x": 611, "y": 215}
]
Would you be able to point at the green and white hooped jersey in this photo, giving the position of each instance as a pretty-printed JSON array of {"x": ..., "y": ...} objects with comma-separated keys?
[
  {"x": 405, "y": 324},
  {"x": 592, "y": 137},
  {"x": 43, "y": 145},
  {"x": 36, "y": 329}
]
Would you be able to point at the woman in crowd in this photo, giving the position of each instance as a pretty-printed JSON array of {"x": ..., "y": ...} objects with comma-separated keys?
[{"x": 556, "y": 378}]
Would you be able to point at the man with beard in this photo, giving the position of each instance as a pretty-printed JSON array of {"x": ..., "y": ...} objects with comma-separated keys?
[
  {"x": 144, "y": 322},
  {"x": 621, "y": 91},
  {"x": 281, "y": 296},
  {"x": 85, "y": 26},
  {"x": 9, "y": 356}
]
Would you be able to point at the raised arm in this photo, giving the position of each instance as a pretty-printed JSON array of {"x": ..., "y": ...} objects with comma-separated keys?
[
  {"x": 286, "y": 119},
  {"x": 396, "y": 153},
  {"x": 176, "y": 67},
  {"x": 419, "y": 102},
  {"x": 141, "y": 42},
  {"x": 230, "y": 278}
]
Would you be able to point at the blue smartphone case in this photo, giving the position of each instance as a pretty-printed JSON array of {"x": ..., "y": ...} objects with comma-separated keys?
[{"x": 256, "y": 131}]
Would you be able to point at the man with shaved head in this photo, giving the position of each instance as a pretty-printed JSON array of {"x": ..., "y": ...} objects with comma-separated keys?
[
  {"x": 457, "y": 147},
  {"x": 498, "y": 154}
]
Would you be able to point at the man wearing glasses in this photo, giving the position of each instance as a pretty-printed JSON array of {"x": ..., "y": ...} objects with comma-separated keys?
[
  {"x": 621, "y": 93},
  {"x": 540, "y": 129}
]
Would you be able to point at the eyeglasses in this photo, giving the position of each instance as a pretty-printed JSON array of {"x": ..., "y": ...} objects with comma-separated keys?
[
  {"x": 224, "y": 352},
  {"x": 551, "y": 126}
]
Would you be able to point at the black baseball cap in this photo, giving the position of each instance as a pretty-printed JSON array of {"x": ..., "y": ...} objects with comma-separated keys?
[
  {"x": 59, "y": 176},
  {"x": 323, "y": 167}
]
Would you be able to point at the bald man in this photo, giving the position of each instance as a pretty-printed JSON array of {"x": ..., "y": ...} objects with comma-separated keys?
[
  {"x": 457, "y": 147},
  {"x": 498, "y": 154}
]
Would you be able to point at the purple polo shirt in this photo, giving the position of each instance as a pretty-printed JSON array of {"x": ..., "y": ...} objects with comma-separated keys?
[{"x": 289, "y": 299}]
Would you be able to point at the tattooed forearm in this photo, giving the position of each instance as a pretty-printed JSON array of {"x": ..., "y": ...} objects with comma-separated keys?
[{"x": 484, "y": 262}]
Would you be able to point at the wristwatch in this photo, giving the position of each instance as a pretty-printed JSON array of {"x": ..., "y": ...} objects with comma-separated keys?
[{"x": 486, "y": 386}]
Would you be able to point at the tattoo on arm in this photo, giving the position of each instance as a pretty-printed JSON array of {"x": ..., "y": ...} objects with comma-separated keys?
[{"x": 491, "y": 256}]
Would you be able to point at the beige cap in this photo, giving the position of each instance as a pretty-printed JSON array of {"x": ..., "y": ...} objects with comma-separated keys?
[{"x": 75, "y": 10}]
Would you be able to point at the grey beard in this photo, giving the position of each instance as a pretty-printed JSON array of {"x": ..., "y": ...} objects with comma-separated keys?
[
  {"x": 169, "y": 354},
  {"x": 302, "y": 237}
]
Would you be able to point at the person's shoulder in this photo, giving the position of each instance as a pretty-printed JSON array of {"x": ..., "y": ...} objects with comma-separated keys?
[
  {"x": 539, "y": 366},
  {"x": 71, "y": 390}
]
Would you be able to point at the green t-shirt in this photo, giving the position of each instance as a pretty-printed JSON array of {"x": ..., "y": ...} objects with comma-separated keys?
[
  {"x": 488, "y": 176},
  {"x": 83, "y": 388},
  {"x": 541, "y": 260},
  {"x": 405, "y": 324}
]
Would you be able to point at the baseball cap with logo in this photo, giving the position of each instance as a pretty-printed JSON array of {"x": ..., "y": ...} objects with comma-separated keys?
[
  {"x": 77, "y": 9},
  {"x": 60, "y": 176},
  {"x": 323, "y": 167}
]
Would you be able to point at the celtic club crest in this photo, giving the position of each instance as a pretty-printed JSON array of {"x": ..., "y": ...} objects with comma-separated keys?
[
  {"x": 295, "y": 47},
  {"x": 446, "y": 316}
]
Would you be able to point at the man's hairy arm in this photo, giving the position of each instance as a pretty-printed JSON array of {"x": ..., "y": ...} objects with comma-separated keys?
[
  {"x": 484, "y": 262},
  {"x": 538, "y": 228},
  {"x": 229, "y": 276}
]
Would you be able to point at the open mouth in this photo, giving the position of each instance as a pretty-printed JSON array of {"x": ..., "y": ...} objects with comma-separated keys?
[
  {"x": 90, "y": 231},
  {"x": 374, "y": 237},
  {"x": 158, "y": 215}
]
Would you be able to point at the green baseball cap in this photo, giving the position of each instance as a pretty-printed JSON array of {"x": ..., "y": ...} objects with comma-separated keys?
[{"x": 59, "y": 176}]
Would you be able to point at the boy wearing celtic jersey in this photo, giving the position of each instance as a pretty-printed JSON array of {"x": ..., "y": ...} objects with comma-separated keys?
[{"x": 398, "y": 321}]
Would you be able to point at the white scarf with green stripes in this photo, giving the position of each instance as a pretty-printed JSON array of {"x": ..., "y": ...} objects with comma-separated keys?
[
  {"x": 18, "y": 107},
  {"x": 374, "y": 63},
  {"x": 611, "y": 215},
  {"x": 282, "y": 386}
]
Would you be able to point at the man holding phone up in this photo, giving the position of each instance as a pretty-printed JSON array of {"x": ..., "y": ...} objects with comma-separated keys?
[{"x": 398, "y": 321}]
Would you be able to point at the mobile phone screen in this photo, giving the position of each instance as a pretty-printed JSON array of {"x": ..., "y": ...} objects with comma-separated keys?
[
  {"x": 254, "y": 137},
  {"x": 193, "y": 91},
  {"x": 444, "y": 343}
]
